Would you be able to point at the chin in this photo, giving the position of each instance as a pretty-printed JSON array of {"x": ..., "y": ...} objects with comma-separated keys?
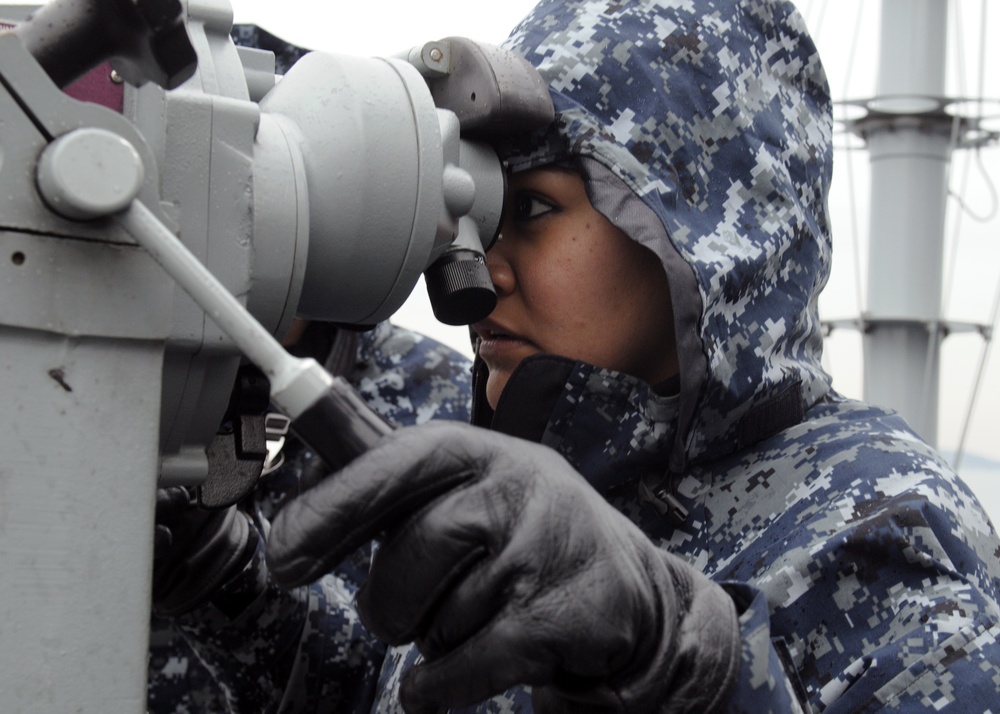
[{"x": 495, "y": 391}]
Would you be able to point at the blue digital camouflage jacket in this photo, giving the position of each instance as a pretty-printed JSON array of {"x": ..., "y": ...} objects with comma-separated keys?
[{"x": 865, "y": 572}]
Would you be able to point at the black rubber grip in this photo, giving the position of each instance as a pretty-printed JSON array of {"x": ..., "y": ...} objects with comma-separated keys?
[{"x": 340, "y": 426}]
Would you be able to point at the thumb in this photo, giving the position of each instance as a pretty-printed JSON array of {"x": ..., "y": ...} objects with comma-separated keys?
[{"x": 377, "y": 491}]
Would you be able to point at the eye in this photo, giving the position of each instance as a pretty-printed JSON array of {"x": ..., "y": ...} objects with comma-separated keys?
[{"x": 528, "y": 206}]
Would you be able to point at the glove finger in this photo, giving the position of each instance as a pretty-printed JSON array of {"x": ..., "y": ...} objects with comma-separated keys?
[
  {"x": 438, "y": 550},
  {"x": 172, "y": 503},
  {"x": 376, "y": 491},
  {"x": 522, "y": 648},
  {"x": 587, "y": 602},
  {"x": 162, "y": 540},
  {"x": 500, "y": 657}
]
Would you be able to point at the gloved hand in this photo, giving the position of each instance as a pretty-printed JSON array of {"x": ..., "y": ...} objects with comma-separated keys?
[
  {"x": 196, "y": 550},
  {"x": 505, "y": 567}
]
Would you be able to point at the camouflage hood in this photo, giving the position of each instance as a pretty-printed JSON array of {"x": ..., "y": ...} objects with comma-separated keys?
[{"x": 704, "y": 132}]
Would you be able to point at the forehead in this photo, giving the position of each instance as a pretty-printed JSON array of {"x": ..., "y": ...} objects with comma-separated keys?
[{"x": 554, "y": 174}]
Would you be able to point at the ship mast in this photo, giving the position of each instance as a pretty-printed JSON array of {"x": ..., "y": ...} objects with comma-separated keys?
[
  {"x": 909, "y": 138},
  {"x": 911, "y": 130}
]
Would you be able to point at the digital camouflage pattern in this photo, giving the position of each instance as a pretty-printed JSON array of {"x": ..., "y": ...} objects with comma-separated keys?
[
  {"x": 293, "y": 650},
  {"x": 865, "y": 572},
  {"x": 867, "y": 569},
  {"x": 717, "y": 115}
]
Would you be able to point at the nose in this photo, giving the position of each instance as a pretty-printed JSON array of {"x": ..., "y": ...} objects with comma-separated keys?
[{"x": 499, "y": 264}]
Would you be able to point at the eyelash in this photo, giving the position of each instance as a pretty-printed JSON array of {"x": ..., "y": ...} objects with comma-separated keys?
[{"x": 533, "y": 202}]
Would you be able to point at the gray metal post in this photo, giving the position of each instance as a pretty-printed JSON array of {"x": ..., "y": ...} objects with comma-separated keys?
[
  {"x": 78, "y": 433},
  {"x": 909, "y": 149}
]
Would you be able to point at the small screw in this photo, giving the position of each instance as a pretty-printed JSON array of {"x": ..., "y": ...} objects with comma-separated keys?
[
  {"x": 115, "y": 77},
  {"x": 436, "y": 54}
]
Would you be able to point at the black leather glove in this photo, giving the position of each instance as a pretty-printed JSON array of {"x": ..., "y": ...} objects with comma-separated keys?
[
  {"x": 196, "y": 551},
  {"x": 505, "y": 567}
]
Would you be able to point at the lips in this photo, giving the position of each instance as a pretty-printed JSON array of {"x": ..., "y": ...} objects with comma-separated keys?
[
  {"x": 494, "y": 333},
  {"x": 499, "y": 344},
  {"x": 488, "y": 331}
]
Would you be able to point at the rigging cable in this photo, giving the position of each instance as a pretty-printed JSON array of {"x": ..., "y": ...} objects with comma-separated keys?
[
  {"x": 987, "y": 332},
  {"x": 948, "y": 279},
  {"x": 936, "y": 334},
  {"x": 818, "y": 25},
  {"x": 855, "y": 232},
  {"x": 850, "y": 150},
  {"x": 980, "y": 372},
  {"x": 959, "y": 59},
  {"x": 990, "y": 186}
]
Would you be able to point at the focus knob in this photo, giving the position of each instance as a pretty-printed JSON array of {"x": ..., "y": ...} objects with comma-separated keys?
[{"x": 459, "y": 287}]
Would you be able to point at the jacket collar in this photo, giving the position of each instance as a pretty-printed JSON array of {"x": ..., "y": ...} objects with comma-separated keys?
[{"x": 613, "y": 428}]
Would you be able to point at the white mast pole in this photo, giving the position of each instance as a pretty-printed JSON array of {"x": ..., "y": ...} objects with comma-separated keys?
[{"x": 909, "y": 149}]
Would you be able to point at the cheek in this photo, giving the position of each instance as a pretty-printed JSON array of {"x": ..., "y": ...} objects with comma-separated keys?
[
  {"x": 593, "y": 295},
  {"x": 630, "y": 304},
  {"x": 554, "y": 281},
  {"x": 652, "y": 351}
]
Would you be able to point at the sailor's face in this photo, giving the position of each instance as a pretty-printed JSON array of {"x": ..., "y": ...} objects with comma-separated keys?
[{"x": 570, "y": 283}]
